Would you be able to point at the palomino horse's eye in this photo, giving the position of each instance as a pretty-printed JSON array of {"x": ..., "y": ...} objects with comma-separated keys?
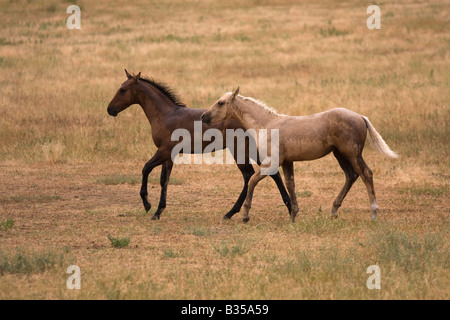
[{"x": 220, "y": 103}]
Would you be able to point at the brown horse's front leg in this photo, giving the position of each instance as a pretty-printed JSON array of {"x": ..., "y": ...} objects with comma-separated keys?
[
  {"x": 164, "y": 181},
  {"x": 159, "y": 158}
]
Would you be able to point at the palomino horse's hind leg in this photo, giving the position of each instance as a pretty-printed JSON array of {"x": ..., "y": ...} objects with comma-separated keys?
[
  {"x": 288, "y": 170},
  {"x": 164, "y": 181},
  {"x": 367, "y": 176},
  {"x": 350, "y": 178}
]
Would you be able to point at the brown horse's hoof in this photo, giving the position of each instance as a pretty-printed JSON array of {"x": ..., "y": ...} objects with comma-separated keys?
[
  {"x": 226, "y": 217},
  {"x": 147, "y": 206},
  {"x": 155, "y": 217},
  {"x": 245, "y": 220}
]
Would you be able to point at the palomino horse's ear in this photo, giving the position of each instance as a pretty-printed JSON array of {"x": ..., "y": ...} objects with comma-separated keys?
[
  {"x": 129, "y": 76},
  {"x": 235, "y": 93}
]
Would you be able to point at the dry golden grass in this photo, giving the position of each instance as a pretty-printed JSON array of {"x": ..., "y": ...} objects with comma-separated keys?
[{"x": 69, "y": 173}]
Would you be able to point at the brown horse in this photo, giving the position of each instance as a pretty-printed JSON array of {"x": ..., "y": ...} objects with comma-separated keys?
[
  {"x": 166, "y": 113},
  {"x": 303, "y": 138}
]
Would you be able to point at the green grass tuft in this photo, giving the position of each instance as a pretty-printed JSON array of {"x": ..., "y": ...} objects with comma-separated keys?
[
  {"x": 6, "y": 225},
  {"x": 170, "y": 253},
  {"x": 119, "y": 242},
  {"x": 231, "y": 250},
  {"x": 304, "y": 194},
  {"x": 331, "y": 31}
]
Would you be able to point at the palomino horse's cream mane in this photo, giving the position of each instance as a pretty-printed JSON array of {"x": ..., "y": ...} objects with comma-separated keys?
[{"x": 260, "y": 104}]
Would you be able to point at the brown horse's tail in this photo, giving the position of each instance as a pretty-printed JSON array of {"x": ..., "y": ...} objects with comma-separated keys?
[{"x": 378, "y": 141}]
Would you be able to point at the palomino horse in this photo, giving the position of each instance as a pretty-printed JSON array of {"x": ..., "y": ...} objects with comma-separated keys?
[
  {"x": 303, "y": 138},
  {"x": 166, "y": 113}
]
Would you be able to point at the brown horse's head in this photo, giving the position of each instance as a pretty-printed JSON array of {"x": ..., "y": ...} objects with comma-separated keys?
[
  {"x": 222, "y": 109},
  {"x": 125, "y": 96}
]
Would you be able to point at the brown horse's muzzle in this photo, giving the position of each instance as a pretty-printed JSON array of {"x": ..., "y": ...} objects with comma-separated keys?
[{"x": 112, "y": 112}]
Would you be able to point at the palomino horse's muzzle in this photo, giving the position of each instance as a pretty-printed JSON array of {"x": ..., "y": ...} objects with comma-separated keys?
[{"x": 206, "y": 118}]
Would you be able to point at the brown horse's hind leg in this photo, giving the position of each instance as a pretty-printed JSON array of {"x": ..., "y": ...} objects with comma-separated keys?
[
  {"x": 164, "y": 181},
  {"x": 288, "y": 170},
  {"x": 367, "y": 176},
  {"x": 350, "y": 178}
]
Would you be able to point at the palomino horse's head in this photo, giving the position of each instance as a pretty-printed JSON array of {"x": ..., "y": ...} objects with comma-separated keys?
[
  {"x": 222, "y": 109},
  {"x": 125, "y": 96}
]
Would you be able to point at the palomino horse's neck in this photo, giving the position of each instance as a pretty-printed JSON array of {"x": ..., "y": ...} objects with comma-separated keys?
[
  {"x": 251, "y": 114},
  {"x": 155, "y": 104}
]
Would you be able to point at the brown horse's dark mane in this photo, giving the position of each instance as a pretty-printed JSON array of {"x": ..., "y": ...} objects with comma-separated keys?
[{"x": 165, "y": 89}]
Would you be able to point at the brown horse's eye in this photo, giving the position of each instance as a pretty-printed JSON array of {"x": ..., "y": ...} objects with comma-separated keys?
[
  {"x": 122, "y": 90},
  {"x": 220, "y": 103}
]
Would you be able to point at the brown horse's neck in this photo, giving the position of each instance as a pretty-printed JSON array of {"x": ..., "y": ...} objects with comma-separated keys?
[
  {"x": 155, "y": 104},
  {"x": 251, "y": 115}
]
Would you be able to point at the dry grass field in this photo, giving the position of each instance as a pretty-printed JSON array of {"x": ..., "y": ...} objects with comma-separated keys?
[{"x": 70, "y": 174}]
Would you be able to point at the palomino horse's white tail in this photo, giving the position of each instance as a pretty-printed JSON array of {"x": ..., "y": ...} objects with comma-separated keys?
[{"x": 378, "y": 141}]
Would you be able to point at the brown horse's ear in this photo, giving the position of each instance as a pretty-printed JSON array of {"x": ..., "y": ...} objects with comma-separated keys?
[
  {"x": 129, "y": 76},
  {"x": 235, "y": 93},
  {"x": 137, "y": 77}
]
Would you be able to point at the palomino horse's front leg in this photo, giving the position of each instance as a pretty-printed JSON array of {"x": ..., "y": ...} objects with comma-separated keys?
[
  {"x": 159, "y": 158},
  {"x": 247, "y": 172},
  {"x": 164, "y": 181},
  {"x": 288, "y": 170},
  {"x": 256, "y": 177}
]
